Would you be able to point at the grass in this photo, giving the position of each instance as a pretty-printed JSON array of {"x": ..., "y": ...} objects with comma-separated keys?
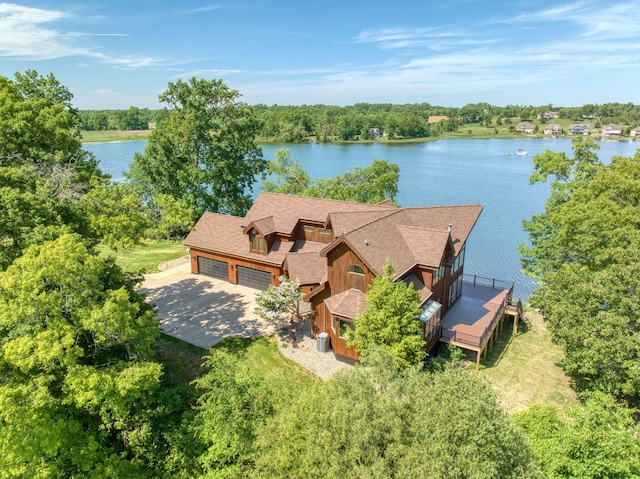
[
  {"x": 114, "y": 135},
  {"x": 525, "y": 370},
  {"x": 146, "y": 257},
  {"x": 262, "y": 357}
]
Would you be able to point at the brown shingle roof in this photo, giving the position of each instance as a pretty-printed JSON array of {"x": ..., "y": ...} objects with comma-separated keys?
[
  {"x": 287, "y": 210},
  {"x": 224, "y": 234},
  {"x": 411, "y": 236},
  {"x": 424, "y": 292},
  {"x": 309, "y": 268},
  {"x": 348, "y": 304}
]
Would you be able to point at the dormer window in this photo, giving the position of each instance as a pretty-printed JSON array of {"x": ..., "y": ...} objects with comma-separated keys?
[{"x": 257, "y": 241}]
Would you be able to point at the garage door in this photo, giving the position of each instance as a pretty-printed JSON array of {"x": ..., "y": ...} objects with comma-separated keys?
[
  {"x": 214, "y": 268},
  {"x": 253, "y": 278}
]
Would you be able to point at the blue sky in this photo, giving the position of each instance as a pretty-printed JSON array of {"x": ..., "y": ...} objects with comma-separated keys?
[{"x": 115, "y": 54}]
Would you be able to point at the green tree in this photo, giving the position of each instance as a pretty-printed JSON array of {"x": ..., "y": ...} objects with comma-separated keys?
[
  {"x": 379, "y": 422},
  {"x": 204, "y": 154},
  {"x": 76, "y": 367},
  {"x": 371, "y": 184},
  {"x": 276, "y": 301},
  {"x": 597, "y": 441},
  {"x": 584, "y": 253},
  {"x": 391, "y": 321},
  {"x": 233, "y": 405}
]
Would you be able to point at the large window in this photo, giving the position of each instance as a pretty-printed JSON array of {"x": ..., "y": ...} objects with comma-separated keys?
[
  {"x": 257, "y": 241},
  {"x": 455, "y": 290},
  {"x": 345, "y": 327},
  {"x": 355, "y": 276},
  {"x": 438, "y": 274},
  {"x": 459, "y": 261},
  {"x": 431, "y": 315}
]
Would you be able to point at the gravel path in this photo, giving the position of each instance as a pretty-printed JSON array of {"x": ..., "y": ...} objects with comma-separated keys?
[{"x": 302, "y": 350}]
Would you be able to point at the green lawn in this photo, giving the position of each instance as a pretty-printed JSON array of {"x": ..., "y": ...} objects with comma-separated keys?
[
  {"x": 262, "y": 357},
  {"x": 114, "y": 135},
  {"x": 525, "y": 370},
  {"x": 146, "y": 257}
]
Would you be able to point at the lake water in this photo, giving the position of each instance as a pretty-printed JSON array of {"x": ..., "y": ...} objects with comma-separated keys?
[{"x": 436, "y": 173}]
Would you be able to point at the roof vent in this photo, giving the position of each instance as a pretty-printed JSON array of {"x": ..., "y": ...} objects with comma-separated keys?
[
  {"x": 366, "y": 242},
  {"x": 449, "y": 227}
]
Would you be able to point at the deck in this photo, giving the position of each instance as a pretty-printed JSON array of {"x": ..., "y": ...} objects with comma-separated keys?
[{"x": 476, "y": 316}]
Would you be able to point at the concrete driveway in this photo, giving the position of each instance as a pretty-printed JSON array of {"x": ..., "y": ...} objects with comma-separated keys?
[{"x": 202, "y": 310}]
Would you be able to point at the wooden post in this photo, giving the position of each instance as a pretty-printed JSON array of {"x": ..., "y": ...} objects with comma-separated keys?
[
  {"x": 477, "y": 360},
  {"x": 515, "y": 323}
]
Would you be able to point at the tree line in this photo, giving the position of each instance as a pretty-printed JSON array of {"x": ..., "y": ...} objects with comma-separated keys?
[
  {"x": 364, "y": 121},
  {"x": 86, "y": 392}
]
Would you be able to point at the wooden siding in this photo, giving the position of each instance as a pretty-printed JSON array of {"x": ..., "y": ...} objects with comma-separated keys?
[
  {"x": 338, "y": 344},
  {"x": 339, "y": 260},
  {"x": 315, "y": 235},
  {"x": 234, "y": 262}
]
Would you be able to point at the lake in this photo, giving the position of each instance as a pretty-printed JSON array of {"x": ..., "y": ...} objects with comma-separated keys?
[{"x": 436, "y": 173}]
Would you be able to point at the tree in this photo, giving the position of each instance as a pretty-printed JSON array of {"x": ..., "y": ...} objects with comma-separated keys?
[
  {"x": 371, "y": 184},
  {"x": 233, "y": 405},
  {"x": 391, "y": 321},
  {"x": 379, "y": 422},
  {"x": 76, "y": 368},
  {"x": 204, "y": 154},
  {"x": 44, "y": 173},
  {"x": 599, "y": 440},
  {"x": 584, "y": 253},
  {"x": 275, "y": 301}
]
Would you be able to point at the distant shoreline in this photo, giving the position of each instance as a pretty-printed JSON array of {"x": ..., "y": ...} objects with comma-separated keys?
[{"x": 104, "y": 136}]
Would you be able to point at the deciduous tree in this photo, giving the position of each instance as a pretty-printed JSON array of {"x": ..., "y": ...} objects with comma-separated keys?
[
  {"x": 76, "y": 369},
  {"x": 204, "y": 154},
  {"x": 585, "y": 251},
  {"x": 391, "y": 321},
  {"x": 378, "y": 422}
]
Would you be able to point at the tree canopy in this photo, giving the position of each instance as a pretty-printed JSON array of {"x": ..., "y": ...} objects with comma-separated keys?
[
  {"x": 585, "y": 252},
  {"x": 76, "y": 365},
  {"x": 391, "y": 321},
  {"x": 370, "y": 184},
  {"x": 379, "y": 422},
  {"x": 204, "y": 153}
]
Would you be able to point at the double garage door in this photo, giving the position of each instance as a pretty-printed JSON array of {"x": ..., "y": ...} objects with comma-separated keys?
[{"x": 253, "y": 278}]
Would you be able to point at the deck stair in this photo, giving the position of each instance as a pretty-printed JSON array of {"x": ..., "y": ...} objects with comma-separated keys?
[{"x": 514, "y": 308}]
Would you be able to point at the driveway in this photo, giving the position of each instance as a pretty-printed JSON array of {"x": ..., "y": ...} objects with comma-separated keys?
[{"x": 202, "y": 310}]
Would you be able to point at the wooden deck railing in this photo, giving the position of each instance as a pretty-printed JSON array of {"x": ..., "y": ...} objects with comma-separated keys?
[{"x": 479, "y": 341}]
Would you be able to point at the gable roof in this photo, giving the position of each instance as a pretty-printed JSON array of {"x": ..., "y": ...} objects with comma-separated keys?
[
  {"x": 286, "y": 210},
  {"x": 224, "y": 233},
  {"x": 410, "y": 237}
]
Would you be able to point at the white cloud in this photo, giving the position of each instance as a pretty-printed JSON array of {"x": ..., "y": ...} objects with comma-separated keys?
[{"x": 23, "y": 35}]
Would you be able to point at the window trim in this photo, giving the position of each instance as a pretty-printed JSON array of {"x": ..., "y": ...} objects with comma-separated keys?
[{"x": 352, "y": 270}]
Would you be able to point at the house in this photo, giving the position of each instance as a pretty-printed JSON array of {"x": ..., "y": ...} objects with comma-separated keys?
[
  {"x": 612, "y": 130},
  {"x": 635, "y": 131},
  {"x": 548, "y": 115},
  {"x": 579, "y": 129},
  {"x": 437, "y": 118},
  {"x": 336, "y": 249},
  {"x": 375, "y": 132},
  {"x": 525, "y": 127},
  {"x": 553, "y": 129}
]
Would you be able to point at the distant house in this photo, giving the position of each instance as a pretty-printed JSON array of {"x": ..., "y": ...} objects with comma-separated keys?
[
  {"x": 525, "y": 127},
  {"x": 549, "y": 115},
  {"x": 635, "y": 131},
  {"x": 579, "y": 129},
  {"x": 553, "y": 129},
  {"x": 375, "y": 132},
  {"x": 437, "y": 119},
  {"x": 612, "y": 130}
]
